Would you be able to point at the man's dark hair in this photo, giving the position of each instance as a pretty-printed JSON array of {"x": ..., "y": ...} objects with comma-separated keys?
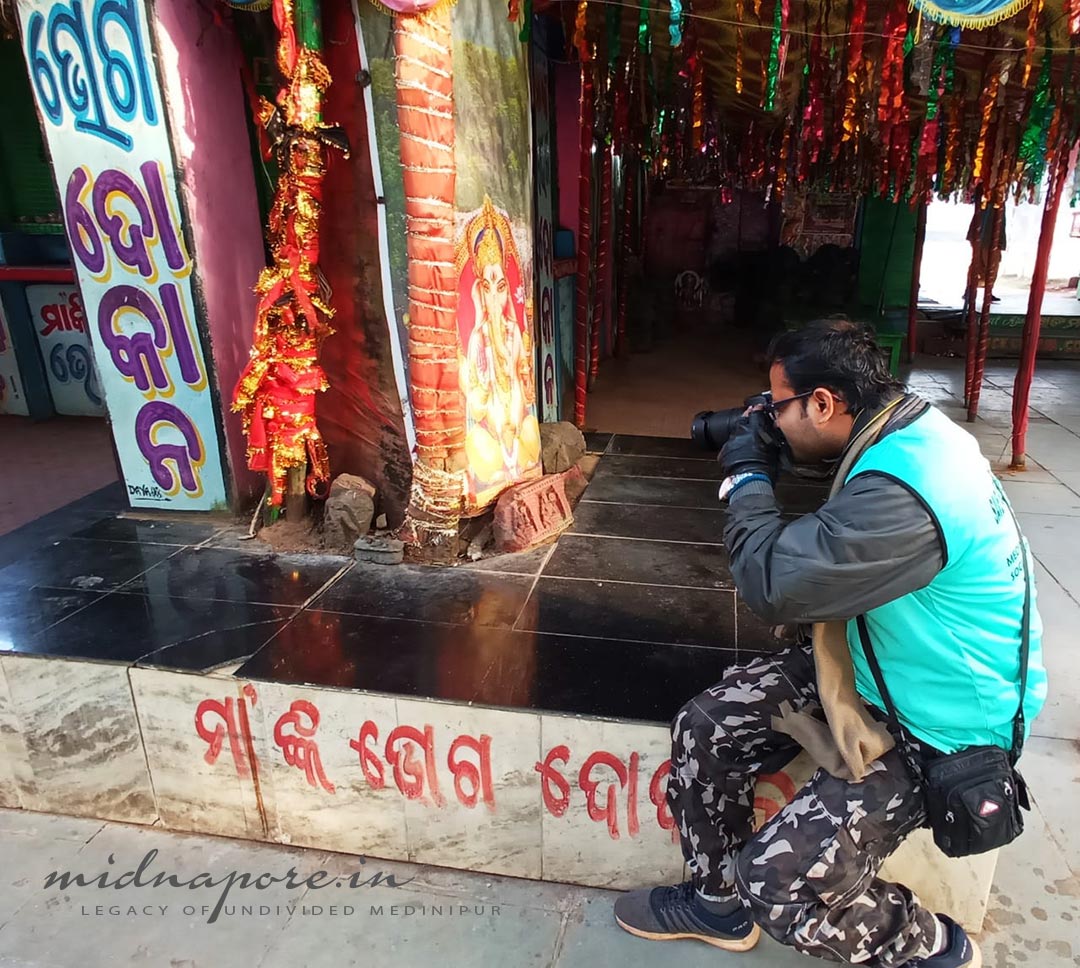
[{"x": 841, "y": 356}]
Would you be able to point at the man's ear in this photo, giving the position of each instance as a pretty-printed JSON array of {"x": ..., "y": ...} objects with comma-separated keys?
[{"x": 823, "y": 402}]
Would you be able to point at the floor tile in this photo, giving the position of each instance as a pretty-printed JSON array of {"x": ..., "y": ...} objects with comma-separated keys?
[
  {"x": 1041, "y": 498},
  {"x": 88, "y": 566},
  {"x": 428, "y": 594},
  {"x": 26, "y": 612},
  {"x": 401, "y": 923},
  {"x": 597, "y": 443},
  {"x": 1056, "y": 448},
  {"x": 198, "y": 634},
  {"x": 1060, "y": 613},
  {"x": 658, "y": 523},
  {"x": 653, "y": 490},
  {"x": 682, "y": 447},
  {"x": 1034, "y": 907},
  {"x": 517, "y": 563},
  {"x": 594, "y": 938},
  {"x": 644, "y": 562},
  {"x": 235, "y": 576},
  {"x": 48, "y": 826},
  {"x": 649, "y": 613},
  {"x": 493, "y": 667},
  {"x": 66, "y": 925},
  {"x": 164, "y": 531},
  {"x": 680, "y": 468},
  {"x": 1051, "y": 535},
  {"x": 1052, "y": 770}
]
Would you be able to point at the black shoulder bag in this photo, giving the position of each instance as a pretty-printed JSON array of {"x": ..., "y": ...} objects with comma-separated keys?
[{"x": 974, "y": 797}]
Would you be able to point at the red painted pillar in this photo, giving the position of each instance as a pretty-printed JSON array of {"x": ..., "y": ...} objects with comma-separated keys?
[
  {"x": 600, "y": 301},
  {"x": 584, "y": 240},
  {"x": 1033, "y": 323}
]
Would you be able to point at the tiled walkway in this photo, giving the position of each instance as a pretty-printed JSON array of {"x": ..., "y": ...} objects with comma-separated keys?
[
  {"x": 630, "y": 614},
  {"x": 48, "y": 464}
]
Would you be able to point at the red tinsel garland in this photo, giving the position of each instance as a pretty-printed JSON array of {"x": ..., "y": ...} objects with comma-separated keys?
[{"x": 853, "y": 80}]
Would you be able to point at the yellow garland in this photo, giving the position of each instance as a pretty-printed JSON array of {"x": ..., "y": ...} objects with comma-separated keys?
[{"x": 971, "y": 21}]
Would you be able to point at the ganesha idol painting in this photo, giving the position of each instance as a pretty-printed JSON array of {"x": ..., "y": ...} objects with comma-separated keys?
[{"x": 502, "y": 435}]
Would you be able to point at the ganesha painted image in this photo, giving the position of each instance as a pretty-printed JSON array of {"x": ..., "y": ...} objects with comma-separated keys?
[{"x": 502, "y": 436}]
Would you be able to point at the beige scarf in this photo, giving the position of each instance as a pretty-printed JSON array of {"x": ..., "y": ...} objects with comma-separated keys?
[{"x": 851, "y": 739}]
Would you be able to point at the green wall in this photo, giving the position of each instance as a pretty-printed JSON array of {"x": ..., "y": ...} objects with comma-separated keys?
[{"x": 878, "y": 262}]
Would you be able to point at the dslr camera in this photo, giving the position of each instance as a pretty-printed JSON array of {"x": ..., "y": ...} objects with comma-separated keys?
[{"x": 710, "y": 429}]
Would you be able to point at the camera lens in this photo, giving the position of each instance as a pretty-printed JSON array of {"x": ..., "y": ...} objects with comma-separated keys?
[{"x": 710, "y": 429}]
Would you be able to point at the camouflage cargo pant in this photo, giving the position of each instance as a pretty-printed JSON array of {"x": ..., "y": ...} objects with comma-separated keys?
[{"x": 809, "y": 876}]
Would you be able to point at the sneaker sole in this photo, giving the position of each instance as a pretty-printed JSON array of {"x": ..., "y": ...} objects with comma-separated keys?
[
  {"x": 976, "y": 956},
  {"x": 734, "y": 944}
]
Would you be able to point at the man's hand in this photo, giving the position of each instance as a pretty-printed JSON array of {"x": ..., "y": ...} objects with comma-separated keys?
[{"x": 753, "y": 447}]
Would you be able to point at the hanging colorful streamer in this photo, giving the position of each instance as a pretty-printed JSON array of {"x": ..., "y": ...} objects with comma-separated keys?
[
  {"x": 613, "y": 21},
  {"x": 986, "y": 109},
  {"x": 676, "y": 24},
  {"x": 739, "y": 45},
  {"x": 698, "y": 102},
  {"x": 772, "y": 78},
  {"x": 580, "y": 21},
  {"x": 1032, "y": 38},
  {"x": 644, "y": 39},
  {"x": 854, "y": 72},
  {"x": 1031, "y": 158},
  {"x": 526, "y": 24}
]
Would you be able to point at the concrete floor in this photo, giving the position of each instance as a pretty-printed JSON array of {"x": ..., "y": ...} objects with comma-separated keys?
[
  {"x": 50, "y": 463},
  {"x": 1034, "y": 915}
]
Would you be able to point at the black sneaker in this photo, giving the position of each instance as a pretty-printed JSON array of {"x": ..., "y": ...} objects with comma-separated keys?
[
  {"x": 962, "y": 952},
  {"x": 671, "y": 913}
]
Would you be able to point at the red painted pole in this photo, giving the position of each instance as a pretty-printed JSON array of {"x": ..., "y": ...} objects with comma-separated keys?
[
  {"x": 601, "y": 307},
  {"x": 1033, "y": 322},
  {"x": 584, "y": 253},
  {"x": 916, "y": 273},
  {"x": 970, "y": 322},
  {"x": 630, "y": 173},
  {"x": 983, "y": 344}
]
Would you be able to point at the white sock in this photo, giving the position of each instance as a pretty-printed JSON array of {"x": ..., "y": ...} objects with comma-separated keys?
[{"x": 941, "y": 938}]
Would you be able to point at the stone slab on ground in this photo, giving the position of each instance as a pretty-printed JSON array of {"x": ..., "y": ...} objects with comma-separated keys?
[{"x": 527, "y": 514}]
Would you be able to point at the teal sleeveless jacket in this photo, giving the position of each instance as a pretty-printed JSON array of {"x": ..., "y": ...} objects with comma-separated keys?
[{"x": 950, "y": 652}]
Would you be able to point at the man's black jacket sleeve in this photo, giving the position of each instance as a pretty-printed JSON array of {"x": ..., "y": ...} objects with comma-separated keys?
[{"x": 869, "y": 544}]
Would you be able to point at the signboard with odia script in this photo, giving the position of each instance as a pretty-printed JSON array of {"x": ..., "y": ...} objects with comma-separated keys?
[
  {"x": 97, "y": 91},
  {"x": 56, "y": 313}
]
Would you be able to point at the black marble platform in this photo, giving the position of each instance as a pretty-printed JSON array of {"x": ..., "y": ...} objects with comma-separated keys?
[{"x": 628, "y": 614}]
